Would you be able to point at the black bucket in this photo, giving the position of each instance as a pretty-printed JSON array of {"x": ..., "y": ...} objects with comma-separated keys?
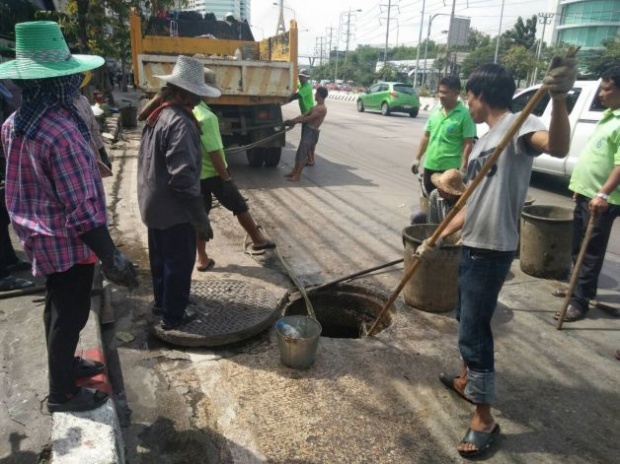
[{"x": 546, "y": 241}]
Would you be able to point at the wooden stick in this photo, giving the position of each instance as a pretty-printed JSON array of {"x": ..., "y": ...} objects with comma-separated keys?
[
  {"x": 353, "y": 276},
  {"x": 508, "y": 136},
  {"x": 576, "y": 268}
]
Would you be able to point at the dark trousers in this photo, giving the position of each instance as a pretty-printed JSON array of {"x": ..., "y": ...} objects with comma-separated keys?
[
  {"x": 172, "y": 253},
  {"x": 67, "y": 307},
  {"x": 7, "y": 253},
  {"x": 428, "y": 185},
  {"x": 587, "y": 282}
]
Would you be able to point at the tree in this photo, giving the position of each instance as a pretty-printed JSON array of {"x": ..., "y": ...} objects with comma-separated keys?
[
  {"x": 12, "y": 12},
  {"x": 477, "y": 39},
  {"x": 477, "y": 57},
  {"x": 520, "y": 61},
  {"x": 523, "y": 34},
  {"x": 597, "y": 61},
  {"x": 387, "y": 73}
]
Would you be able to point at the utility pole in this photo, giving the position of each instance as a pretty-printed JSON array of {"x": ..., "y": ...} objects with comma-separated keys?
[
  {"x": 348, "y": 38},
  {"x": 417, "y": 52},
  {"x": 319, "y": 48},
  {"x": 329, "y": 47},
  {"x": 499, "y": 33},
  {"x": 544, "y": 19},
  {"x": 448, "y": 60},
  {"x": 281, "y": 26},
  {"x": 387, "y": 31}
]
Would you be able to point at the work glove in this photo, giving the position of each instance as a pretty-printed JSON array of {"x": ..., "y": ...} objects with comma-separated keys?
[
  {"x": 195, "y": 209},
  {"x": 288, "y": 123},
  {"x": 561, "y": 76},
  {"x": 415, "y": 166},
  {"x": 117, "y": 268},
  {"x": 427, "y": 252}
]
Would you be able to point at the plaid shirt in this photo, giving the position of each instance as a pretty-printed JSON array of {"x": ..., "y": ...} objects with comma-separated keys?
[{"x": 53, "y": 191}]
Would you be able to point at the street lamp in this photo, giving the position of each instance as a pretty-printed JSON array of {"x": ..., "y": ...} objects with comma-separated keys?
[
  {"x": 348, "y": 13},
  {"x": 288, "y": 8},
  {"x": 428, "y": 37}
]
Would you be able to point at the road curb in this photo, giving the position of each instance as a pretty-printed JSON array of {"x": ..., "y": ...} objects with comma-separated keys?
[{"x": 92, "y": 437}]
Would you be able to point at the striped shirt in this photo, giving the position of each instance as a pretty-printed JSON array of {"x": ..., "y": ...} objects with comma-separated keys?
[{"x": 54, "y": 191}]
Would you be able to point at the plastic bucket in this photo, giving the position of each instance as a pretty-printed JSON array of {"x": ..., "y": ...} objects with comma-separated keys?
[
  {"x": 434, "y": 287},
  {"x": 546, "y": 241},
  {"x": 298, "y": 351}
]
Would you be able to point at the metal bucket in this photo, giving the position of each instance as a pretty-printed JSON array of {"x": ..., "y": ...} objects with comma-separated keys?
[
  {"x": 299, "y": 350},
  {"x": 434, "y": 287},
  {"x": 529, "y": 200},
  {"x": 546, "y": 241}
]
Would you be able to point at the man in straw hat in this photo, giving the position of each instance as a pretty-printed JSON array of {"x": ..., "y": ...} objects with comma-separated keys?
[
  {"x": 171, "y": 205},
  {"x": 215, "y": 180},
  {"x": 449, "y": 189},
  {"x": 489, "y": 228},
  {"x": 56, "y": 201}
]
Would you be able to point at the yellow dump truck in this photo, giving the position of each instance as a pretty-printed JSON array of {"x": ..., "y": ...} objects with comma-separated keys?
[{"x": 256, "y": 77}]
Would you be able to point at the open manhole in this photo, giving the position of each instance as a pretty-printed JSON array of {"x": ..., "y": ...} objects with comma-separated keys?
[{"x": 344, "y": 311}]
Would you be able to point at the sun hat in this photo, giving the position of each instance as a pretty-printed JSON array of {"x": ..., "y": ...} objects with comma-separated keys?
[
  {"x": 189, "y": 74},
  {"x": 211, "y": 79},
  {"x": 41, "y": 51},
  {"x": 304, "y": 73},
  {"x": 450, "y": 182}
]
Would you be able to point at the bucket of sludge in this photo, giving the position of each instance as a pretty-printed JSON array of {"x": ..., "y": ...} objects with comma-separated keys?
[
  {"x": 546, "y": 241},
  {"x": 434, "y": 286},
  {"x": 298, "y": 339}
]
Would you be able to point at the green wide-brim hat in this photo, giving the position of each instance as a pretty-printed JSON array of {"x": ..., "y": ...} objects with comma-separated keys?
[{"x": 41, "y": 51}]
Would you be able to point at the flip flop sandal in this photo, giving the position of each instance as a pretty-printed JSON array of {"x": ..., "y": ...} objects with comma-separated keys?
[
  {"x": 448, "y": 381},
  {"x": 19, "y": 265},
  {"x": 84, "y": 367},
  {"x": 481, "y": 440},
  {"x": 572, "y": 314},
  {"x": 269, "y": 245},
  {"x": 86, "y": 399},
  {"x": 210, "y": 265}
]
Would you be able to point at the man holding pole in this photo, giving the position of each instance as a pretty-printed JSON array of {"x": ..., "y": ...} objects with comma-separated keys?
[
  {"x": 596, "y": 186},
  {"x": 489, "y": 227}
]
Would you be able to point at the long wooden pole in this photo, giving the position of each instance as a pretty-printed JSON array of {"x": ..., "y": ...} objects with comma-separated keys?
[
  {"x": 576, "y": 268},
  {"x": 508, "y": 136}
]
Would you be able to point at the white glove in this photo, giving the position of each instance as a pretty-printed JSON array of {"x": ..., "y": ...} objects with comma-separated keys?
[
  {"x": 561, "y": 76},
  {"x": 426, "y": 252}
]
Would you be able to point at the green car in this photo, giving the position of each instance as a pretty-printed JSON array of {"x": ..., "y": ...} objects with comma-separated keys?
[{"x": 390, "y": 97}]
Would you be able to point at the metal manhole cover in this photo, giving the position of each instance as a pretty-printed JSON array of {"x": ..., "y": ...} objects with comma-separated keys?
[{"x": 227, "y": 311}]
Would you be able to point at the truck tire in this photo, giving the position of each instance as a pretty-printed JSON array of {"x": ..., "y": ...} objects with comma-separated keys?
[
  {"x": 272, "y": 156},
  {"x": 256, "y": 156}
]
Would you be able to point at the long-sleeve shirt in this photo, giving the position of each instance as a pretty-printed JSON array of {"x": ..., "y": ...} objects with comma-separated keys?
[
  {"x": 54, "y": 192},
  {"x": 169, "y": 164}
]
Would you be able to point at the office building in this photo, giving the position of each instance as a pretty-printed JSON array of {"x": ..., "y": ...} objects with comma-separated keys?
[
  {"x": 587, "y": 23},
  {"x": 239, "y": 8}
]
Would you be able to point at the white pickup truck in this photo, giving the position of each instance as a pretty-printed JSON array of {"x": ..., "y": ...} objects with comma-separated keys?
[{"x": 585, "y": 110}]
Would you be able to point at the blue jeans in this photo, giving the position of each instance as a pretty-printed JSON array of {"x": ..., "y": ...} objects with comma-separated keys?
[
  {"x": 172, "y": 253},
  {"x": 481, "y": 276}
]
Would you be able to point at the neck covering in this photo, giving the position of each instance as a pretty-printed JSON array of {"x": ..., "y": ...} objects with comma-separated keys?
[
  {"x": 41, "y": 95},
  {"x": 169, "y": 96}
]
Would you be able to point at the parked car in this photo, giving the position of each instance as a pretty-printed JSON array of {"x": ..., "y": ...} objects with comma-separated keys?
[
  {"x": 585, "y": 110},
  {"x": 390, "y": 97}
]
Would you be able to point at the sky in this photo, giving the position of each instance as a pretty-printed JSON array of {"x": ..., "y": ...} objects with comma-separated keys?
[{"x": 368, "y": 26}]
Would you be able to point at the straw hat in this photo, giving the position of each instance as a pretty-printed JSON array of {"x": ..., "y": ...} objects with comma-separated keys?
[
  {"x": 41, "y": 51},
  {"x": 450, "y": 182},
  {"x": 189, "y": 74}
]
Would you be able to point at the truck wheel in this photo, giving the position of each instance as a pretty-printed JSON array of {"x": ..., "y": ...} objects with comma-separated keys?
[
  {"x": 272, "y": 156},
  {"x": 256, "y": 156}
]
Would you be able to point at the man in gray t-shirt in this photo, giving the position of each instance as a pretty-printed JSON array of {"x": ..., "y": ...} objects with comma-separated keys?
[{"x": 489, "y": 228}]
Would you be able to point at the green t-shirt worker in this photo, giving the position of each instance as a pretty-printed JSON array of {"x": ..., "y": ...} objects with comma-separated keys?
[
  {"x": 448, "y": 135},
  {"x": 596, "y": 186},
  {"x": 215, "y": 180},
  {"x": 304, "y": 93}
]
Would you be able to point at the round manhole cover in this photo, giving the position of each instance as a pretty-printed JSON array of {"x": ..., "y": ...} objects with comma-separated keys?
[{"x": 226, "y": 311}]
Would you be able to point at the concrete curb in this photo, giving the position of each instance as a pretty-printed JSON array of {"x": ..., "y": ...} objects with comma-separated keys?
[{"x": 92, "y": 437}]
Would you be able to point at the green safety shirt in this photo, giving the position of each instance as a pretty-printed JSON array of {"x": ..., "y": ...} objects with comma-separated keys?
[
  {"x": 210, "y": 140},
  {"x": 447, "y": 131},
  {"x": 306, "y": 99},
  {"x": 600, "y": 156}
]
